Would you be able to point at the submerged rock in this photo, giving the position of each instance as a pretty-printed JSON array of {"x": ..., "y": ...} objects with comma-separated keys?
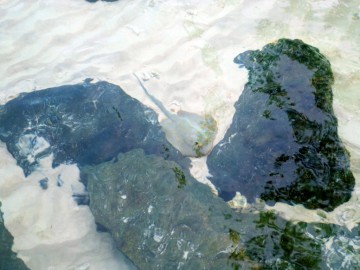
[
  {"x": 84, "y": 124},
  {"x": 140, "y": 189},
  {"x": 161, "y": 218},
  {"x": 275, "y": 243},
  {"x": 8, "y": 258},
  {"x": 282, "y": 145}
]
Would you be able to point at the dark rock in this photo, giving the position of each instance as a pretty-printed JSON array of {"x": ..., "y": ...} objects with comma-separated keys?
[
  {"x": 140, "y": 189},
  {"x": 282, "y": 145},
  {"x": 81, "y": 199},
  {"x": 8, "y": 258},
  {"x": 44, "y": 183},
  {"x": 59, "y": 181},
  {"x": 275, "y": 243},
  {"x": 161, "y": 225},
  {"x": 343, "y": 249},
  {"x": 156, "y": 221},
  {"x": 84, "y": 124},
  {"x": 101, "y": 228},
  {"x": 280, "y": 244}
]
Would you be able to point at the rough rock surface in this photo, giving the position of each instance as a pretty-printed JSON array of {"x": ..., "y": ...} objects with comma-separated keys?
[
  {"x": 85, "y": 124},
  {"x": 159, "y": 216},
  {"x": 141, "y": 191},
  {"x": 283, "y": 144},
  {"x": 162, "y": 218}
]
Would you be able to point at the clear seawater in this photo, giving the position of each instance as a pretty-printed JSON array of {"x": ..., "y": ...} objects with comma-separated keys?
[{"x": 187, "y": 48}]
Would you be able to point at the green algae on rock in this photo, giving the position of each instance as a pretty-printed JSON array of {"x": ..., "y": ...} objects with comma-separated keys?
[
  {"x": 155, "y": 223},
  {"x": 283, "y": 145},
  {"x": 276, "y": 243},
  {"x": 159, "y": 226},
  {"x": 180, "y": 177}
]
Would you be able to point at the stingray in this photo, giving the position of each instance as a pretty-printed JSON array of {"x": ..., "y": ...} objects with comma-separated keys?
[{"x": 193, "y": 135}]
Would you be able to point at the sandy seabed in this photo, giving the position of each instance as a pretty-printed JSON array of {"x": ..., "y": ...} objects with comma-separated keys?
[{"x": 186, "y": 50}]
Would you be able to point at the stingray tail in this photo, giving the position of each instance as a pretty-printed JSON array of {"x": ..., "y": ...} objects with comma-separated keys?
[{"x": 153, "y": 99}]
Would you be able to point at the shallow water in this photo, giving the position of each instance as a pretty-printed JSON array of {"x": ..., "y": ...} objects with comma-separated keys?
[{"x": 186, "y": 48}]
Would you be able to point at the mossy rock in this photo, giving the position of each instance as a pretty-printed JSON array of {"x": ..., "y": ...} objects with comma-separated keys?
[
  {"x": 157, "y": 213},
  {"x": 284, "y": 143},
  {"x": 160, "y": 226}
]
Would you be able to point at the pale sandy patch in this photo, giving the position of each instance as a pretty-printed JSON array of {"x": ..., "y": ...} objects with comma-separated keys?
[{"x": 50, "y": 230}]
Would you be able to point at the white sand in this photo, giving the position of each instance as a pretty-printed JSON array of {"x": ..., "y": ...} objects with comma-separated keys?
[
  {"x": 50, "y": 230},
  {"x": 188, "y": 46}
]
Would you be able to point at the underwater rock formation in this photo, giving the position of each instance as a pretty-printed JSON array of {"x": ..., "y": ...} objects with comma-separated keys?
[
  {"x": 282, "y": 145},
  {"x": 159, "y": 216},
  {"x": 162, "y": 218},
  {"x": 275, "y": 243},
  {"x": 141, "y": 191},
  {"x": 8, "y": 259},
  {"x": 87, "y": 123}
]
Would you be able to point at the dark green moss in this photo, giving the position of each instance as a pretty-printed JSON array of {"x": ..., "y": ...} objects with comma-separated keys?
[
  {"x": 234, "y": 236},
  {"x": 283, "y": 245},
  {"x": 238, "y": 255},
  {"x": 280, "y": 160},
  {"x": 165, "y": 152},
  {"x": 286, "y": 129},
  {"x": 195, "y": 218},
  {"x": 180, "y": 177},
  {"x": 266, "y": 218},
  {"x": 117, "y": 113},
  {"x": 309, "y": 56},
  {"x": 267, "y": 114}
]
